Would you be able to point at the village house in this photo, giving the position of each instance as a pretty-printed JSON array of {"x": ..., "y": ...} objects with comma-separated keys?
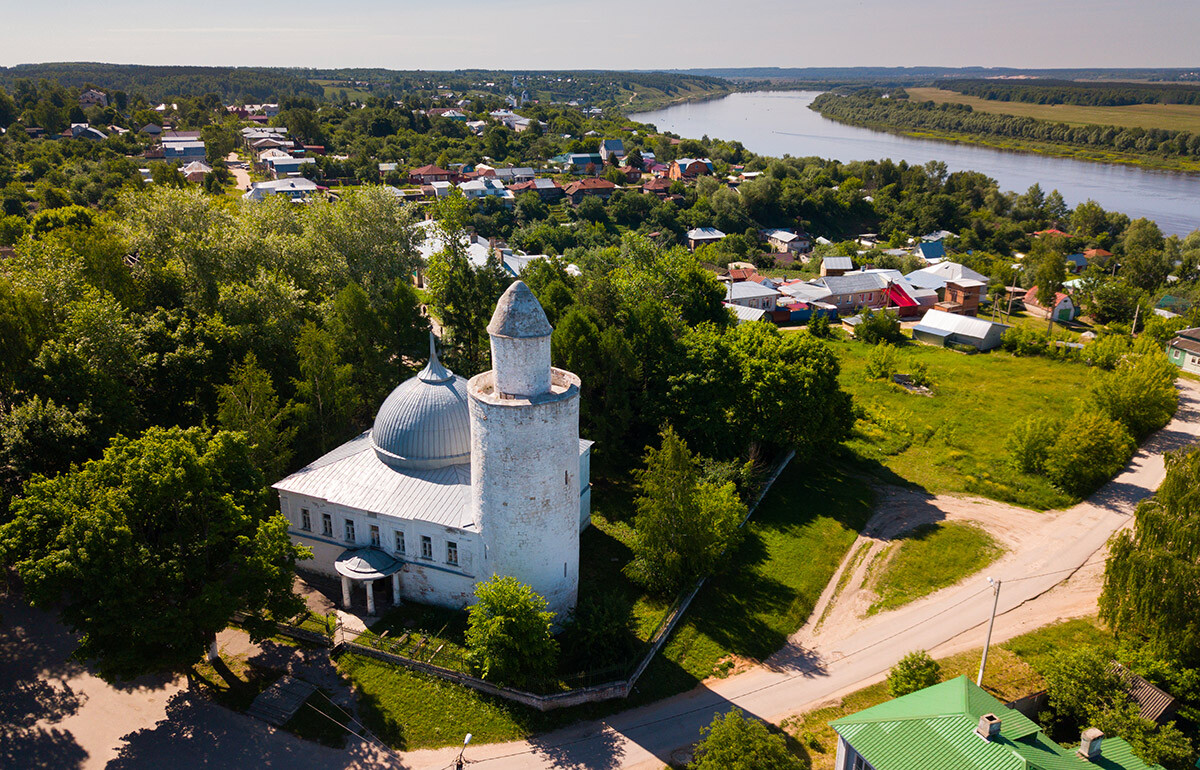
[
  {"x": 288, "y": 166},
  {"x": 612, "y": 147},
  {"x": 547, "y": 189},
  {"x": 940, "y": 328},
  {"x": 875, "y": 289},
  {"x": 1184, "y": 350},
  {"x": 297, "y": 188},
  {"x": 83, "y": 131},
  {"x": 196, "y": 171},
  {"x": 751, "y": 294},
  {"x": 577, "y": 191},
  {"x": 831, "y": 266},
  {"x": 1064, "y": 308},
  {"x": 958, "y": 725},
  {"x": 932, "y": 252},
  {"x": 962, "y": 297},
  {"x": 183, "y": 151},
  {"x": 486, "y": 187},
  {"x": 690, "y": 168},
  {"x": 935, "y": 276},
  {"x": 583, "y": 163},
  {"x": 93, "y": 98},
  {"x": 429, "y": 174},
  {"x": 659, "y": 186},
  {"x": 700, "y": 236},
  {"x": 785, "y": 241}
]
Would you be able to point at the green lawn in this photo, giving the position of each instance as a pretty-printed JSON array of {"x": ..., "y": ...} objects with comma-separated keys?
[
  {"x": 793, "y": 545},
  {"x": 1012, "y": 672},
  {"x": 930, "y": 557},
  {"x": 321, "y": 721},
  {"x": 954, "y": 441}
]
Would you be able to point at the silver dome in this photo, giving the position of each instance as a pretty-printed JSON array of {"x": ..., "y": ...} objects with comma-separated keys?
[{"x": 425, "y": 422}]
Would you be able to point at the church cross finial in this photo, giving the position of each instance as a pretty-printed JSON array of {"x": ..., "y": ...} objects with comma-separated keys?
[{"x": 434, "y": 371}]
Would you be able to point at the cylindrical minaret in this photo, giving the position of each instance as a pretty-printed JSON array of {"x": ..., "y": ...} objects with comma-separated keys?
[{"x": 525, "y": 455}]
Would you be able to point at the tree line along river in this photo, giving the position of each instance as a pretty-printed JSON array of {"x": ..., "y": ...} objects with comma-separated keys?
[{"x": 780, "y": 122}]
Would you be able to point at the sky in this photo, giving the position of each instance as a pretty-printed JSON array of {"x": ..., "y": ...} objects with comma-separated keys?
[{"x": 606, "y": 34}]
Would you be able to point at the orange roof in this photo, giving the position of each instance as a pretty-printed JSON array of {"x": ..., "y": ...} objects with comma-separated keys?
[
  {"x": 430, "y": 170},
  {"x": 590, "y": 184}
]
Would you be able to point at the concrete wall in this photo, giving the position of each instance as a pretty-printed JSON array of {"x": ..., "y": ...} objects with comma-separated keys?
[
  {"x": 525, "y": 486},
  {"x": 521, "y": 366}
]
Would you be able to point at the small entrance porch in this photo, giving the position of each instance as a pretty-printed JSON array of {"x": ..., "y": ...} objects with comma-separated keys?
[{"x": 365, "y": 566}]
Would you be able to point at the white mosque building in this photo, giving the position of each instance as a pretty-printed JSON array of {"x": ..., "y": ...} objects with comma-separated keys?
[{"x": 457, "y": 480}]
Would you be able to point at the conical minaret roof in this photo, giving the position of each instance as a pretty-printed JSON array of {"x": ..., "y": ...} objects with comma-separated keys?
[{"x": 519, "y": 315}]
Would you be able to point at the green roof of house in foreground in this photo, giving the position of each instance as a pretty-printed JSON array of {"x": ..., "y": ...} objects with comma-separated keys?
[{"x": 934, "y": 729}]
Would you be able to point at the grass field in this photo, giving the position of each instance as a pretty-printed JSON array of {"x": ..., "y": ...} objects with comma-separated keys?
[
  {"x": 1013, "y": 670},
  {"x": 334, "y": 87},
  {"x": 930, "y": 557},
  {"x": 1180, "y": 117},
  {"x": 954, "y": 441}
]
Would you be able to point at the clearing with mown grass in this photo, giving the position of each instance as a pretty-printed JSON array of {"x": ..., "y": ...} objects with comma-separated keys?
[
  {"x": 1178, "y": 117},
  {"x": 931, "y": 557},
  {"x": 1014, "y": 670},
  {"x": 954, "y": 441}
]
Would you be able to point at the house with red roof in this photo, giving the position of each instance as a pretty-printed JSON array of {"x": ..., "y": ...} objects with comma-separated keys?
[
  {"x": 1063, "y": 309},
  {"x": 577, "y": 191},
  {"x": 429, "y": 174}
]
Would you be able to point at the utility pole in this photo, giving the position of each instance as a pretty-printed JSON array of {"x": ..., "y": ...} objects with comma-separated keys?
[{"x": 995, "y": 603}]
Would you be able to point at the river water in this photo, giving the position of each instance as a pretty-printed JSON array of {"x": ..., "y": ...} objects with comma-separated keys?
[{"x": 780, "y": 122}]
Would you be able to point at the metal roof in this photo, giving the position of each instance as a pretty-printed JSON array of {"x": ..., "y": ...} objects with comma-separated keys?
[
  {"x": 838, "y": 263},
  {"x": 749, "y": 290},
  {"x": 967, "y": 326},
  {"x": 935, "y": 276},
  {"x": 701, "y": 233},
  {"x": 934, "y": 729},
  {"x": 853, "y": 283},
  {"x": 425, "y": 421}
]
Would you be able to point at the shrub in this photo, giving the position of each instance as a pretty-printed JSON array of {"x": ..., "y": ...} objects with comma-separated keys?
[
  {"x": 1029, "y": 443},
  {"x": 919, "y": 374},
  {"x": 1089, "y": 450},
  {"x": 879, "y": 327},
  {"x": 915, "y": 671},
  {"x": 882, "y": 363},
  {"x": 1107, "y": 351},
  {"x": 600, "y": 631},
  {"x": 1139, "y": 393},
  {"x": 733, "y": 742},
  {"x": 508, "y": 633},
  {"x": 1022, "y": 341}
]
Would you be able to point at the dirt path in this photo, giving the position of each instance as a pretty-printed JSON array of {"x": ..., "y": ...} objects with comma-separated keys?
[{"x": 241, "y": 175}]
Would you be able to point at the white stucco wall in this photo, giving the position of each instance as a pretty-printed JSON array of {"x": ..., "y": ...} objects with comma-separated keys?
[
  {"x": 525, "y": 486},
  {"x": 430, "y": 581},
  {"x": 521, "y": 365}
]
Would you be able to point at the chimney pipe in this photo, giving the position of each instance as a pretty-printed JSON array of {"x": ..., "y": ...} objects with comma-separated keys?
[
  {"x": 1089, "y": 744},
  {"x": 989, "y": 726}
]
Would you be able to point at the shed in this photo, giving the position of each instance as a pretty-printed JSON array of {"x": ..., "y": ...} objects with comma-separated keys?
[
  {"x": 836, "y": 265},
  {"x": 940, "y": 328}
]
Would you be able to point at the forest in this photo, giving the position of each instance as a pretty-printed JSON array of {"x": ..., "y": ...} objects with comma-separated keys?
[
  {"x": 872, "y": 108},
  {"x": 1091, "y": 93}
]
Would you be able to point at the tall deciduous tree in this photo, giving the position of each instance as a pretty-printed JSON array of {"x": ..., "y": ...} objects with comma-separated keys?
[
  {"x": 1152, "y": 578},
  {"x": 149, "y": 550},
  {"x": 248, "y": 403},
  {"x": 683, "y": 524},
  {"x": 324, "y": 391}
]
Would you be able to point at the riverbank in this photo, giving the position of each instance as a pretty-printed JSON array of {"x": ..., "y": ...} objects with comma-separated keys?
[
  {"x": 1048, "y": 149},
  {"x": 952, "y": 122},
  {"x": 639, "y": 102}
]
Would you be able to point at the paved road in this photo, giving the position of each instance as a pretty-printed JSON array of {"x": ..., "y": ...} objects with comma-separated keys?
[{"x": 842, "y": 659}]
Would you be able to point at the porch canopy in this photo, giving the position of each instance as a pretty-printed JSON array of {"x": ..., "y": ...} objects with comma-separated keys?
[{"x": 367, "y": 563}]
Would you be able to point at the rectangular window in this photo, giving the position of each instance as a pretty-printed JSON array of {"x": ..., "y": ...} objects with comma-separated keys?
[
  {"x": 426, "y": 547},
  {"x": 452, "y": 553},
  {"x": 326, "y": 525},
  {"x": 305, "y": 520},
  {"x": 374, "y": 535},
  {"x": 399, "y": 542},
  {"x": 349, "y": 530}
]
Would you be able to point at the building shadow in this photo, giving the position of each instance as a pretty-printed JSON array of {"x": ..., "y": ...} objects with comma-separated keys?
[{"x": 197, "y": 733}]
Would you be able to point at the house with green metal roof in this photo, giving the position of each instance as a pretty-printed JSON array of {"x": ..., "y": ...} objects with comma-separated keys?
[{"x": 955, "y": 725}]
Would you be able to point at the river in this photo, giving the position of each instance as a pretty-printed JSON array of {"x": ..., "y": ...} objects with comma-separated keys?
[{"x": 780, "y": 122}]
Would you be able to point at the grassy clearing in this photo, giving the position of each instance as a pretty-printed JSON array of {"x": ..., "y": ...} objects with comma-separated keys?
[
  {"x": 954, "y": 441},
  {"x": 1180, "y": 117},
  {"x": 1012, "y": 672},
  {"x": 930, "y": 557},
  {"x": 793, "y": 545}
]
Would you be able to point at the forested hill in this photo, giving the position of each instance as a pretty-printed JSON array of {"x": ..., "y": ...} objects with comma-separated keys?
[{"x": 263, "y": 84}]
